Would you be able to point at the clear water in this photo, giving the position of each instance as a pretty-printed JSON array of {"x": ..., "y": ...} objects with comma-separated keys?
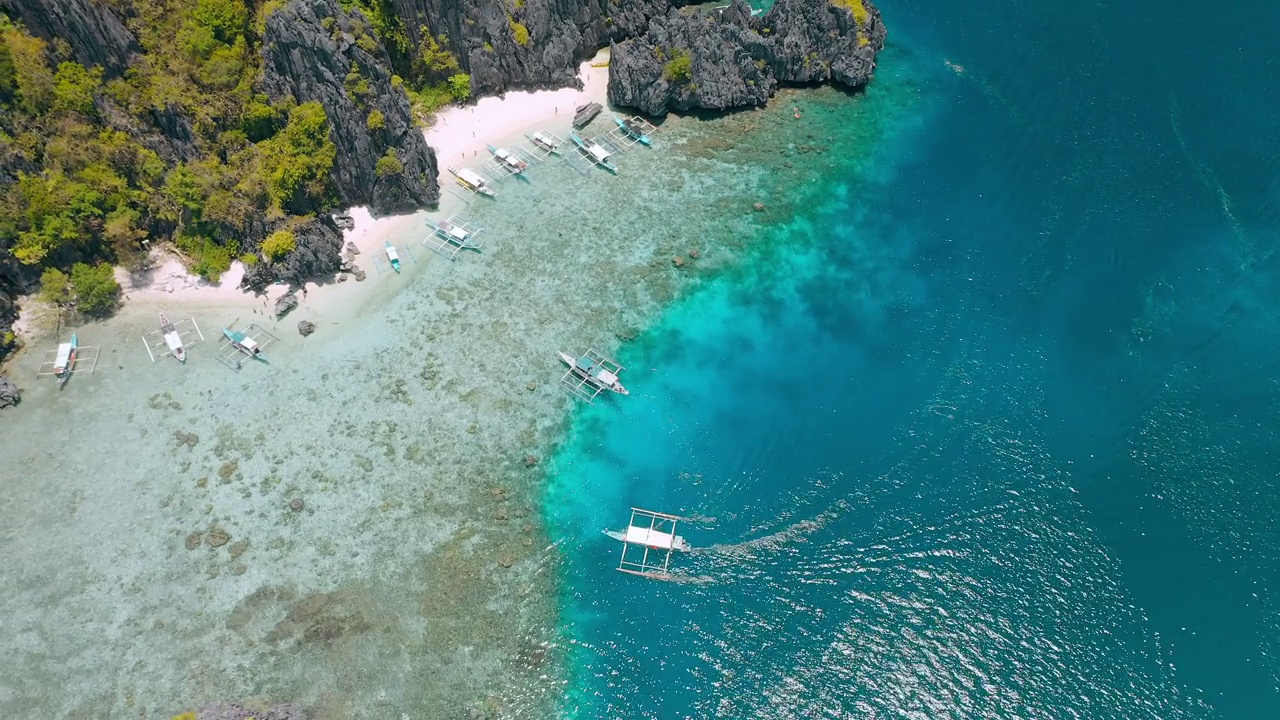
[
  {"x": 973, "y": 419},
  {"x": 985, "y": 426}
]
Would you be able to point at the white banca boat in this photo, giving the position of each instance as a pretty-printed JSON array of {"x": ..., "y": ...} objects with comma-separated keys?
[
  {"x": 647, "y": 543},
  {"x": 471, "y": 180},
  {"x": 651, "y": 538},
  {"x": 65, "y": 361},
  {"x": 594, "y": 151},
  {"x": 594, "y": 372},
  {"x": 508, "y": 160},
  {"x": 544, "y": 142},
  {"x": 172, "y": 339}
]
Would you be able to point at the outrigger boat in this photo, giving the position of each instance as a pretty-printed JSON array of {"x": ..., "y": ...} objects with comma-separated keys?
[
  {"x": 594, "y": 151},
  {"x": 594, "y": 373},
  {"x": 173, "y": 339},
  {"x": 544, "y": 142},
  {"x": 393, "y": 256},
  {"x": 244, "y": 344},
  {"x": 647, "y": 543},
  {"x": 65, "y": 361},
  {"x": 632, "y": 128},
  {"x": 508, "y": 160},
  {"x": 471, "y": 180}
]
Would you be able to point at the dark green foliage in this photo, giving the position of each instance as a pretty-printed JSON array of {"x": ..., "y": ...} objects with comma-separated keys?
[
  {"x": 55, "y": 287},
  {"x": 226, "y": 19},
  {"x": 74, "y": 87},
  {"x": 298, "y": 160},
  {"x": 460, "y": 86},
  {"x": 389, "y": 164},
  {"x": 678, "y": 67},
  {"x": 278, "y": 244},
  {"x": 95, "y": 287}
]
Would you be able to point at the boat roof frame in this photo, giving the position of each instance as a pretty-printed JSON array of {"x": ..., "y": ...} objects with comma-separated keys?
[
  {"x": 659, "y": 567},
  {"x": 625, "y": 140},
  {"x": 382, "y": 263},
  {"x": 449, "y": 246},
  {"x": 584, "y": 385},
  {"x": 156, "y": 346},
  {"x": 230, "y": 356},
  {"x": 86, "y": 361}
]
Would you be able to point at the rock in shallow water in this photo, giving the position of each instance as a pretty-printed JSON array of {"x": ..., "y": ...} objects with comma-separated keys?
[
  {"x": 306, "y": 327},
  {"x": 286, "y": 304},
  {"x": 585, "y": 114},
  {"x": 9, "y": 394}
]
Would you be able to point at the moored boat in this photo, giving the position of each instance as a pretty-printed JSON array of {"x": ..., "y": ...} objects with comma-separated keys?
[
  {"x": 65, "y": 361},
  {"x": 650, "y": 537},
  {"x": 393, "y": 256},
  {"x": 594, "y": 152},
  {"x": 172, "y": 339},
  {"x": 594, "y": 372},
  {"x": 632, "y": 128},
  {"x": 544, "y": 142},
  {"x": 471, "y": 180},
  {"x": 508, "y": 160},
  {"x": 244, "y": 344}
]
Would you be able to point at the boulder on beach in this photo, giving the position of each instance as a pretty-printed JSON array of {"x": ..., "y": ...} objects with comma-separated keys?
[
  {"x": 585, "y": 114},
  {"x": 306, "y": 327},
  {"x": 8, "y": 393},
  {"x": 286, "y": 304}
]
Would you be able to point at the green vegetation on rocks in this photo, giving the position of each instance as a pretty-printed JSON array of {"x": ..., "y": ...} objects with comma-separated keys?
[
  {"x": 183, "y": 146},
  {"x": 278, "y": 244}
]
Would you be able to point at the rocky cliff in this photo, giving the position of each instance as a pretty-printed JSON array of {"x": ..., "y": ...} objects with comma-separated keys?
[
  {"x": 94, "y": 34},
  {"x": 310, "y": 53},
  {"x": 528, "y": 44},
  {"x": 729, "y": 59}
]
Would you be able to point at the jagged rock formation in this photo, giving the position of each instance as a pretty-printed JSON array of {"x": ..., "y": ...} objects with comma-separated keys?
[
  {"x": 304, "y": 60},
  {"x": 317, "y": 253},
  {"x": 558, "y": 35},
  {"x": 96, "y": 36},
  {"x": 717, "y": 61}
]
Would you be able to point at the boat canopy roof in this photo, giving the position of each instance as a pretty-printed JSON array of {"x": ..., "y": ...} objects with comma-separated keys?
[
  {"x": 64, "y": 355},
  {"x": 471, "y": 177},
  {"x": 453, "y": 230},
  {"x": 606, "y": 377},
  {"x": 598, "y": 152},
  {"x": 247, "y": 343},
  {"x": 391, "y": 252},
  {"x": 173, "y": 340},
  {"x": 651, "y": 538}
]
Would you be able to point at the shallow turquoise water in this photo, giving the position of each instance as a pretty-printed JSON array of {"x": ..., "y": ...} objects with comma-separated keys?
[{"x": 984, "y": 428}]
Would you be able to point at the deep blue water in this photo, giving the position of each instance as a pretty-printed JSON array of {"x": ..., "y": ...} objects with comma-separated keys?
[{"x": 994, "y": 437}]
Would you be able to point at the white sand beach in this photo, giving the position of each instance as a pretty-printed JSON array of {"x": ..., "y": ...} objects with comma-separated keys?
[{"x": 461, "y": 133}]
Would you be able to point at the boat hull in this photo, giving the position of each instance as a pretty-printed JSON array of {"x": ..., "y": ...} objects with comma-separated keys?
[{"x": 681, "y": 545}]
